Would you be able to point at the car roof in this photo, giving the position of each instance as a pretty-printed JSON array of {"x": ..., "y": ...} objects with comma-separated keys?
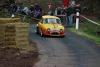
[{"x": 48, "y": 16}]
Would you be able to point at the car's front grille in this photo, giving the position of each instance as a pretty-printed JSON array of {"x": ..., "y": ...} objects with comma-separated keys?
[{"x": 55, "y": 33}]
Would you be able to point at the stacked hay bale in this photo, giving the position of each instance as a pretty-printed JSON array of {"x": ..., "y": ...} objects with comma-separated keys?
[
  {"x": 22, "y": 34},
  {"x": 14, "y": 33},
  {"x": 9, "y": 20},
  {"x": 10, "y": 33},
  {"x": 2, "y": 30}
]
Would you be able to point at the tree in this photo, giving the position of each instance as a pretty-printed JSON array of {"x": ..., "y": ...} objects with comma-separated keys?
[{"x": 92, "y": 6}]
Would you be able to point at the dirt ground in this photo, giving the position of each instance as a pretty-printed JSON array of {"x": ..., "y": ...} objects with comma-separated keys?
[{"x": 11, "y": 57}]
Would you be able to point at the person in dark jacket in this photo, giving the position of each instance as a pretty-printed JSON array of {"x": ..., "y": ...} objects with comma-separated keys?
[
  {"x": 31, "y": 11},
  {"x": 13, "y": 9},
  {"x": 37, "y": 11},
  {"x": 69, "y": 13}
]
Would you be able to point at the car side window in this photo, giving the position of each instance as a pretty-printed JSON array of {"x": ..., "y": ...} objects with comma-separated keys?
[{"x": 45, "y": 20}]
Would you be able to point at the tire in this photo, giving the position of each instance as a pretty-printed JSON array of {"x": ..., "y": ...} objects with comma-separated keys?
[{"x": 40, "y": 32}]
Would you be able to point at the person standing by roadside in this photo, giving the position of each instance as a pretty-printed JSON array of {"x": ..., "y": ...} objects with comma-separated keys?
[
  {"x": 69, "y": 13},
  {"x": 13, "y": 9},
  {"x": 37, "y": 11},
  {"x": 50, "y": 9},
  {"x": 31, "y": 11},
  {"x": 65, "y": 3},
  {"x": 26, "y": 10}
]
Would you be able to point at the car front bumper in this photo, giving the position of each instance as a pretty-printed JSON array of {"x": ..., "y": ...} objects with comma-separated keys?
[{"x": 54, "y": 33}]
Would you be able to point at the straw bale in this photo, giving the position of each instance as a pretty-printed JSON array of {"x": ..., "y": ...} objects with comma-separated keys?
[
  {"x": 10, "y": 39},
  {"x": 9, "y": 20},
  {"x": 22, "y": 30},
  {"x": 10, "y": 36},
  {"x": 22, "y": 43},
  {"x": 22, "y": 39},
  {"x": 14, "y": 33},
  {"x": 22, "y": 33},
  {"x": 1, "y": 40},
  {"x": 10, "y": 30},
  {"x": 10, "y": 33},
  {"x": 1, "y": 43},
  {"x": 11, "y": 43},
  {"x": 20, "y": 24},
  {"x": 2, "y": 33}
]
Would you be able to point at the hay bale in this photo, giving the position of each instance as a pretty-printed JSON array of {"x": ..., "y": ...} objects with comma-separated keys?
[
  {"x": 19, "y": 35},
  {"x": 9, "y": 38},
  {"x": 20, "y": 24},
  {"x": 10, "y": 43},
  {"x": 10, "y": 33},
  {"x": 2, "y": 34},
  {"x": 9, "y": 20},
  {"x": 14, "y": 33}
]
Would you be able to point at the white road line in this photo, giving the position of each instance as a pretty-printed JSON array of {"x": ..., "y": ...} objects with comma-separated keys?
[{"x": 91, "y": 20}]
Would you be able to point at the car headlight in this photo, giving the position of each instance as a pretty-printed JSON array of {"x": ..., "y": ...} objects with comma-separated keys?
[{"x": 61, "y": 30}]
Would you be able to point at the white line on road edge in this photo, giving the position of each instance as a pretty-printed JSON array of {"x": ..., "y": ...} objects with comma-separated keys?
[{"x": 91, "y": 20}]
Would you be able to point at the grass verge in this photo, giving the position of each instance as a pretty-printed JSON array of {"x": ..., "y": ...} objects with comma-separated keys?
[{"x": 88, "y": 30}]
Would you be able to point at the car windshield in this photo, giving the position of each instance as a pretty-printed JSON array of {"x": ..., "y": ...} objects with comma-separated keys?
[{"x": 52, "y": 20}]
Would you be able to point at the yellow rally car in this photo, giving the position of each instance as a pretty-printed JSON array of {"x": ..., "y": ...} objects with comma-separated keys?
[{"x": 50, "y": 26}]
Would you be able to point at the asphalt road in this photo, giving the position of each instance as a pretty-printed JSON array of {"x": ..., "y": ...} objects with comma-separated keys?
[{"x": 71, "y": 51}]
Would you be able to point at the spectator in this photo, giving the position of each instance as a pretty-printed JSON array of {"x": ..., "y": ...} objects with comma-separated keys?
[
  {"x": 37, "y": 11},
  {"x": 31, "y": 8},
  {"x": 20, "y": 9},
  {"x": 13, "y": 9},
  {"x": 31, "y": 11},
  {"x": 59, "y": 11},
  {"x": 50, "y": 9},
  {"x": 69, "y": 13},
  {"x": 26, "y": 10}
]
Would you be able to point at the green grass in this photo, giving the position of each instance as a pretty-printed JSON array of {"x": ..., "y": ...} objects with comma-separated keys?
[
  {"x": 88, "y": 30},
  {"x": 96, "y": 39}
]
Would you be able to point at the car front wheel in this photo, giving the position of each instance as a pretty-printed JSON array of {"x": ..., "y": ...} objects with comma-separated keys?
[{"x": 41, "y": 34}]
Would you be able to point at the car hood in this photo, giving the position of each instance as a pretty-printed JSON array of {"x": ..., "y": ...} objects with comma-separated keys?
[{"x": 54, "y": 26}]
